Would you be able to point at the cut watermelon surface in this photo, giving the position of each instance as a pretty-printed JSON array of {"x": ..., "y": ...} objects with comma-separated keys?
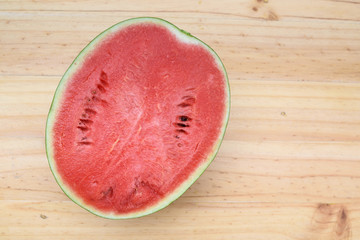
[{"x": 137, "y": 118}]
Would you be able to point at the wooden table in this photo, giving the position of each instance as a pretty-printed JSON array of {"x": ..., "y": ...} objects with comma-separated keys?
[{"x": 289, "y": 167}]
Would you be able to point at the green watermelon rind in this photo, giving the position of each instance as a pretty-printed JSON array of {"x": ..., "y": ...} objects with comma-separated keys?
[{"x": 182, "y": 36}]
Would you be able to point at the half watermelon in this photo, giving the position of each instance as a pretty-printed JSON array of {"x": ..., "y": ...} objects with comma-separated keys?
[{"x": 136, "y": 119}]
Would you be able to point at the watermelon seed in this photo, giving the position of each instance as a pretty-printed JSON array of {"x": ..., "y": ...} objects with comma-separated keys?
[
  {"x": 103, "y": 76},
  {"x": 108, "y": 193},
  {"x": 150, "y": 187},
  {"x": 182, "y": 131},
  {"x": 179, "y": 145},
  {"x": 85, "y": 143},
  {"x": 83, "y": 128},
  {"x": 184, "y": 105},
  {"x": 93, "y": 92},
  {"x": 85, "y": 121},
  {"x": 182, "y": 125},
  {"x": 103, "y": 82},
  {"x": 189, "y": 99},
  {"x": 101, "y": 88},
  {"x": 104, "y": 102},
  {"x": 176, "y": 136},
  {"x": 90, "y": 111},
  {"x": 184, "y": 118},
  {"x": 197, "y": 145}
]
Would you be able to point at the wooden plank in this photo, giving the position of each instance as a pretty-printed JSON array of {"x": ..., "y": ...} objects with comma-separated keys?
[
  {"x": 323, "y": 9},
  {"x": 44, "y": 220},
  {"x": 250, "y": 48}
]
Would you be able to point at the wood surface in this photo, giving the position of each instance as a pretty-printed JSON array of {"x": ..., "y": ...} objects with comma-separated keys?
[{"x": 289, "y": 166}]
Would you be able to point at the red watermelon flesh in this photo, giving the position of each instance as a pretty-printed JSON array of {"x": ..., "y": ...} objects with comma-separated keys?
[{"x": 136, "y": 116}]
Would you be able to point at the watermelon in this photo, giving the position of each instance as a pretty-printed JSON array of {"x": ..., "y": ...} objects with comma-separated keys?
[{"x": 136, "y": 119}]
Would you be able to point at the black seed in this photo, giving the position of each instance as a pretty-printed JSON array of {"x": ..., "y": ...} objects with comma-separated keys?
[
  {"x": 182, "y": 125},
  {"x": 184, "y": 118}
]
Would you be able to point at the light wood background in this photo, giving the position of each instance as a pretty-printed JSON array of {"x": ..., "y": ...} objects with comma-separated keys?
[{"x": 289, "y": 167}]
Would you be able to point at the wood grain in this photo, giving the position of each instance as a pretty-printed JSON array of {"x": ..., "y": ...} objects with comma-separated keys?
[{"x": 289, "y": 166}]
